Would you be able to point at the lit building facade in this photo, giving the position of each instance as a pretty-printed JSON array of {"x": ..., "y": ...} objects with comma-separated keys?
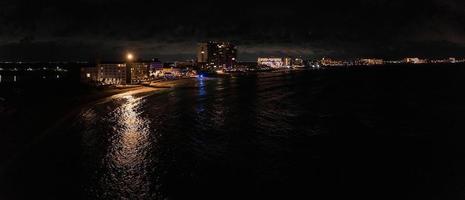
[
  {"x": 332, "y": 62},
  {"x": 139, "y": 72},
  {"x": 106, "y": 74},
  {"x": 155, "y": 66},
  {"x": 116, "y": 73},
  {"x": 371, "y": 61},
  {"x": 213, "y": 55},
  {"x": 415, "y": 61},
  {"x": 202, "y": 53},
  {"x": 287, "y": 61},
  {"x": 274, "y": 63},
  {"x": 298, "y": 62}
]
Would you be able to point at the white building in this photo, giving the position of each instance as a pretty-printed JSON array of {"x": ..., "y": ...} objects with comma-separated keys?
[
  {"x": 271, "y": 62},
  {"x": 415, "y": 61}
]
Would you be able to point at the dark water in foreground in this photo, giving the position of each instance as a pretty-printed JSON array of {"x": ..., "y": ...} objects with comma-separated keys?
[{"x": 391, "y": 133}]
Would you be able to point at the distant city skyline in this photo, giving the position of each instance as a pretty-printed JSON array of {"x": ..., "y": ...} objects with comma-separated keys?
[{"x": 244, "y": 54}]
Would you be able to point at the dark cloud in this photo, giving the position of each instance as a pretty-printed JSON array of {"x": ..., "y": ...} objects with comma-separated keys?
[{"x": 86, "y": 29}]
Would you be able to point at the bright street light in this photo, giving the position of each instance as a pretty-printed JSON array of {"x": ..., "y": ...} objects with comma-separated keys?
[{"x": 129, "y": 56}]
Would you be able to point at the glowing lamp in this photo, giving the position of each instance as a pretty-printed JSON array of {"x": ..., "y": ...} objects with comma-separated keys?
[{"x": 129, "y": 56}]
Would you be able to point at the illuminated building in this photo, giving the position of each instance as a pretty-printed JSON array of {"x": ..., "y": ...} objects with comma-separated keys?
[
  {"x": 202, "y": 53},
  {"x": 155, "y": 67},
  {"x": 212, "y": 55},
  {"x": 117, "y": 73},
  {"x": 371, "y": 61},
  {"x": 450, "y": 60},
  {"x": 287, "y": 61},
  {"x": 274, "y": 63},
  {"x": 298, "y": 62},
  {"x": 170, "y": 72},
  {"x": 331, "y": 62},
  {"x": 112, "y": 73},
  {"x": 415, "y": 61},
  {"x": 138, "y": 73}
]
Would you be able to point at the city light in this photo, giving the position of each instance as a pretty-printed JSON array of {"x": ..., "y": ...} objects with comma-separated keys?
[{"x": 129, "y": 56}]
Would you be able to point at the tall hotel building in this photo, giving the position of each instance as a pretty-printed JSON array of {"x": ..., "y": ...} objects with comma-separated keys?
[{"x": 213, "y": 55}]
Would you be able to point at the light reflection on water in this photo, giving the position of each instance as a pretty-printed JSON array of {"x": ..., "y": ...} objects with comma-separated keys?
[
  {"x": 127, "y": 159},
  {"x": 201, "y": 95},
  {"x": 259, "y": 135},
  {"x": 144, "y": 140},
  {"x": 201, "y": 85}
]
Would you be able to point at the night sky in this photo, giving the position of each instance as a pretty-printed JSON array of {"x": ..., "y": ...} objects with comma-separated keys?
[{"x": 103, "y": 29}]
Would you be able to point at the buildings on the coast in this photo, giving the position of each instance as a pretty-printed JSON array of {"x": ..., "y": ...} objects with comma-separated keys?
[
  {"x": 135, "y": 72},
  {"x": 212, "y": 57},
  {"x": 274, "y": 63},
  {"x": 332, "y": 62},
  {"x": 216, "y": 55},
  {"x": 447, "y": 60},
  {"x": 116, "y": 73},
  {"x": 415, "y": 61},
  {"x": 328, "y": 62},
  {"x": 371, "y": 61},
  {"x": 281, "y": 62}
]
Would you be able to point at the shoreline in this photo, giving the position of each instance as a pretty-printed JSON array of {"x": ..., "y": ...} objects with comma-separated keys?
[{"x": 19, "y": 138}]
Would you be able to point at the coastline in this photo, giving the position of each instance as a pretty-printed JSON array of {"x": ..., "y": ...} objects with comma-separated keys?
[{"x": 21, "y": 135}]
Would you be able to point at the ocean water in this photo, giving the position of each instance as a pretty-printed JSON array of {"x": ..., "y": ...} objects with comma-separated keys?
[{"x": 384, "y": 133}]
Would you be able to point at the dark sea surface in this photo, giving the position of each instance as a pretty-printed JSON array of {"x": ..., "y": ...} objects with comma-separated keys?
[{"x": 386, "y": 133}]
